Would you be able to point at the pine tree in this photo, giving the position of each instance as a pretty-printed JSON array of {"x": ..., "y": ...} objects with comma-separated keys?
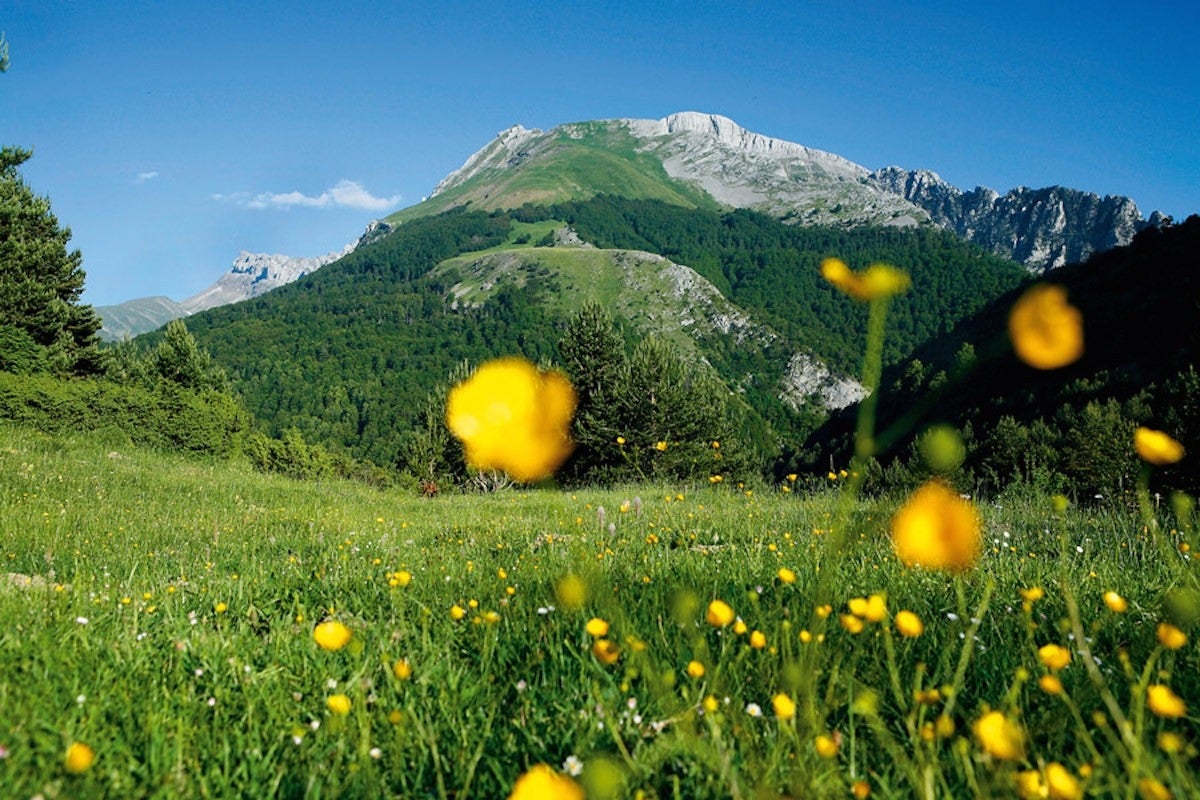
[
  {"x": 593, "y": 356},
  {"x": 40, "y": 280}
]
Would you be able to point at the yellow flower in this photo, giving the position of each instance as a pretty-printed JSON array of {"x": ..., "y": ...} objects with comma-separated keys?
[
  {"x": 620, "y": 440},
  {"x": 785, "y": 707},
  {"x": 79, "y": 758},
  {"x": 331, "y": 635},
  {"x": 909, "y": 624},
  {"x": 457, "y": 612},
  {"x": 1115, "y": 602},
  {"x": 571, "y": 592},
  {"x": 541, "y": 782},
  {"x": 827, "y": 746},
  {"x": 719, "y": 614},
  {"x": 338, "y": 704},
  {"x": 1050, "y": 684},
  {"x": 402, "y": 578},
  {"x": 786, "y": 575},
  {"x": 1030, "y": 785},
  {"x": 512, "y": 417},
  {"x": 660, "y": 446},
  {"x": 1152, "y": 789},
  {"x": 596, "y": 628},
  {"x": 221, "y": 608},
  {"x": 1000, "y": 737},
  {"x": 1170, "y": 637},
  {"x": 1032, "y": 594},
  {"x": 860, "y": 789},
  {"x": 1061, "y": 784},
  {"x": 857, "y": 606},
  {"x": 1163, "y": 702},
  {"x": 758, "y": 640},
  {"x": 695, "y": 669},
  {"x": 402, "y": 669},
  {"x": 1171, "y": 742},
  {"x": 937, "y": 529},
  {"x": 605, "y": 651},
  {"x": 1156, "y": 447},
  {"x": 711, "y": 704},
  {"x": 1046, "y": 330},
  {"x": 876, "y": 608},
  {"x": 851, "y": 623},
  {"x": 1054, "y": 656},
  {"x": 876, "y": 282},
  {"x": 740, "y": 627}
]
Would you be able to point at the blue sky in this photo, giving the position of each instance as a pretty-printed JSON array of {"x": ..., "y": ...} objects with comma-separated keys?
[{"x": 171, "y": 135}]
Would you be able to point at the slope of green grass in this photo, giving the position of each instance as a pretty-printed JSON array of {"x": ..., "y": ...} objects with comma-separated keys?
[{"x": 169, "y": 627}]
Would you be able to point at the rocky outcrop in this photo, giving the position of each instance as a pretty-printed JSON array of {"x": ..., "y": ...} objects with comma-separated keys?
[
  {"x": 1040, "y": 228},
  {"x": 253, "y": 274}
]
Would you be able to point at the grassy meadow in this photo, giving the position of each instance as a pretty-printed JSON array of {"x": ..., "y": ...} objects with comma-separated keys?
[{"x": 160, "y": 610}]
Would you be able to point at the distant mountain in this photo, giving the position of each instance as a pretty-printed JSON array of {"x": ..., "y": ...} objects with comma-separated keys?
[
  {"x": 251, "y": 275},
  {"x": 706, "y": 160}
]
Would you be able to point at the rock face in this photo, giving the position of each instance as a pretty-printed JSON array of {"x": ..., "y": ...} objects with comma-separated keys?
[
  {"x": 1040, "y": 228},
  {"x": 253, "y": 274}
]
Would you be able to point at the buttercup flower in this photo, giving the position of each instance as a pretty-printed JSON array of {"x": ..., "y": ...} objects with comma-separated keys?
[
  {"x": 596, "y": 628},
  {"x": 1170, "y": 637},
  {"x": 827, "y": 746},
  {"x": 1046, "y": 330},
  {"x": 719, "y": 614},
  {"x": 1156, "y": 447},
  {"x": 909, "y": 624},
  {"x": 695, "y": 669},
  {"x": 1164, "y": 702},
  {"x": 876, "y": 282},
  {"x": 786, "y": 575},
  {"x": 605, "y": 651},
  {"x": 542, "y": 782},
  {"x": 331, "y": 635},
  {"x": 1115, "y": 603},
  {"x": 758, "y": 640},
  {"x": 338, "y": 704},
  {"x": 79, "y": 758},
  {"x": 1061, "y": 784},
  {"x": 1000, "y": 737},
  {"x": 937, "y": 529},
  {"x": 512, "y": 417},
  {"x": 1054, "y": 656},
  {"x": 785, "y": 707}
]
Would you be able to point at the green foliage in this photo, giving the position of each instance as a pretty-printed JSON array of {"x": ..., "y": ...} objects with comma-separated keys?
[
  {"x": 40, "y": 281},
  {"x": 179, "y": 360}
]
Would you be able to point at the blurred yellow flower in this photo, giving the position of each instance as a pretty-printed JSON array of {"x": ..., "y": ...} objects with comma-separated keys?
[
  {"x": 1061, "y": 784},
  {"x": 331, "y": 635},
  {"x": 711, "y": 704},
  {"x": 937, "y": 529},
  {"x": 786, "y": 575},
  {"x": 719, "y": 614},
  {"x": 695, "y": 669},
  {"x": 740, "y": 627},
  {"x": 1115, "y": 603},
  {"x": 620, "y": 440},
  {"x": 457, "y": 612},
  {"x": 857, "y": 606},
  {"x": 785, "y": 707},
  {"x": 596, "y": 628},
  {"x": 660, "y": 446},
  {"x": 876, "y": 282},
  {"x": 860, "y": 789},
  {"x": 909, "y": 624},
  {"x": 512, "y": 417},
  {"x": 1164, "y": 702},
  {"x": 791, "y": 477},
  {"x": 605, "y": 651},
  {"x": 851, "y": 623},
  {"x": 1046, "y": 330},
  {"x": 876, "y": 608},
  {"x": 1152, "y": 789},
  {"x": 1032, "y": 594},
  {"x": 402, "y": 578},
  {"x": 571, "y": 592},
  {"x": 338, "y": 704},
  {"x": 1054, "y": 656},
  {"x": 1156, "y": 447},
  {"x": 402, "y": 669},
  {"x": 758, "y": 640},
  {"x": 79, "y": 758},
  {"x": 1170, "y": 637},
  {"x": 221, "y": 608},
  {"x": 1171, "y": 742},
  {"x": 1051, "y": 684},
  {"x": 1000, "y": 737},
  {"x": 827, "y": 746},
  {"x": 541, "y": 782}
]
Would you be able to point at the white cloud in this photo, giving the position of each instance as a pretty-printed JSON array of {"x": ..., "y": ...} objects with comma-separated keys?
[
  {"x": 345, "y": 194},
  {"x": 142, "y": 177}
]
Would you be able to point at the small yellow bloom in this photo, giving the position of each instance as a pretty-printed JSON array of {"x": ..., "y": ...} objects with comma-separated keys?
[
  {"x": 1051, "y": 684},
  {"x": 79, "y": 758},
  {"x": 857, "y": 606},
  {"x": 758, "y": 640},
  {"x": 876, "y": 608},
  {"x": 851, "y": 623},
  {"x": 944, "y": 726},
  {"x": 1152, "y": 789},
  {"x": 1170, "y": 637},
  {"x": 1156, "y": 447},
  {"x": 1000, "y": 736},
  {"x": 860, "y": 789},
  {"x": 542, "y": 782},
  {"x": 571, "y": 592},
  {"x": 402, "y": 578},
  {"x": 740, "y": 627},
  {"x": 791, "y": 477},
  {"x": 785, "y": 707},
  {"x": 937, "y": 529},
  {"x": 338, "y": 704},
  {"x": 876, "y": 282},
  {"x": 660, "y": 446},
  {"x": 1171, "y": 742},
  {"x": 221, "y": 608},
  {"x": 402, "y": 669},
  {"x": 1061, "y": 784},
  {"x": 1054, "y": 656},
  {"x": 711, "y": 704},
  {"x": 457, "y": 612},
  {"x": 827, "y": 746},
  {"x": 596, "y": 628},
  {"x": 1164, "y": 702},
  {"x": 719, "y": 614},
  {"x": 1032, "y": 594},
  {"x": 620, "y": 440},
  {"x": 909, "y": 624},
  {"x": 606, "y": 651},
  {"x": 786, "y": 575},
  {"x": 695, "y": 669},
  {"x": 1115, "y": 603},
  {"x": 331, "y": 635},
  {"x": 1046, "y": 330}
]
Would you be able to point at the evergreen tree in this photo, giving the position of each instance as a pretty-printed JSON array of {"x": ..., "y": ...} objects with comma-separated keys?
[
  {"x": 593, "y": 356},
  {"x": 40, "y": 280},
  {"x": 179, "y": 360}
]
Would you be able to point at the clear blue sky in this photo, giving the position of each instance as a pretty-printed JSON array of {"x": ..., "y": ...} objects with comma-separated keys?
[{"x": 171, "y": 135}]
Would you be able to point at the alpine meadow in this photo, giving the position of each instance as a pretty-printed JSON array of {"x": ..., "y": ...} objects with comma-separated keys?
[{"x": 643, "y": 459}]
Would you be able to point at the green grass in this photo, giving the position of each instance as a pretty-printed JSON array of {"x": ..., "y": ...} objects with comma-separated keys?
[{"x": 121, "y": 645}]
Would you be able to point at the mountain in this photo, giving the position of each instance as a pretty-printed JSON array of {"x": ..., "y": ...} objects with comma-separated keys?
[
  {"x": 701, "y": 160},
  {"x": 252, "y": 274}
]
